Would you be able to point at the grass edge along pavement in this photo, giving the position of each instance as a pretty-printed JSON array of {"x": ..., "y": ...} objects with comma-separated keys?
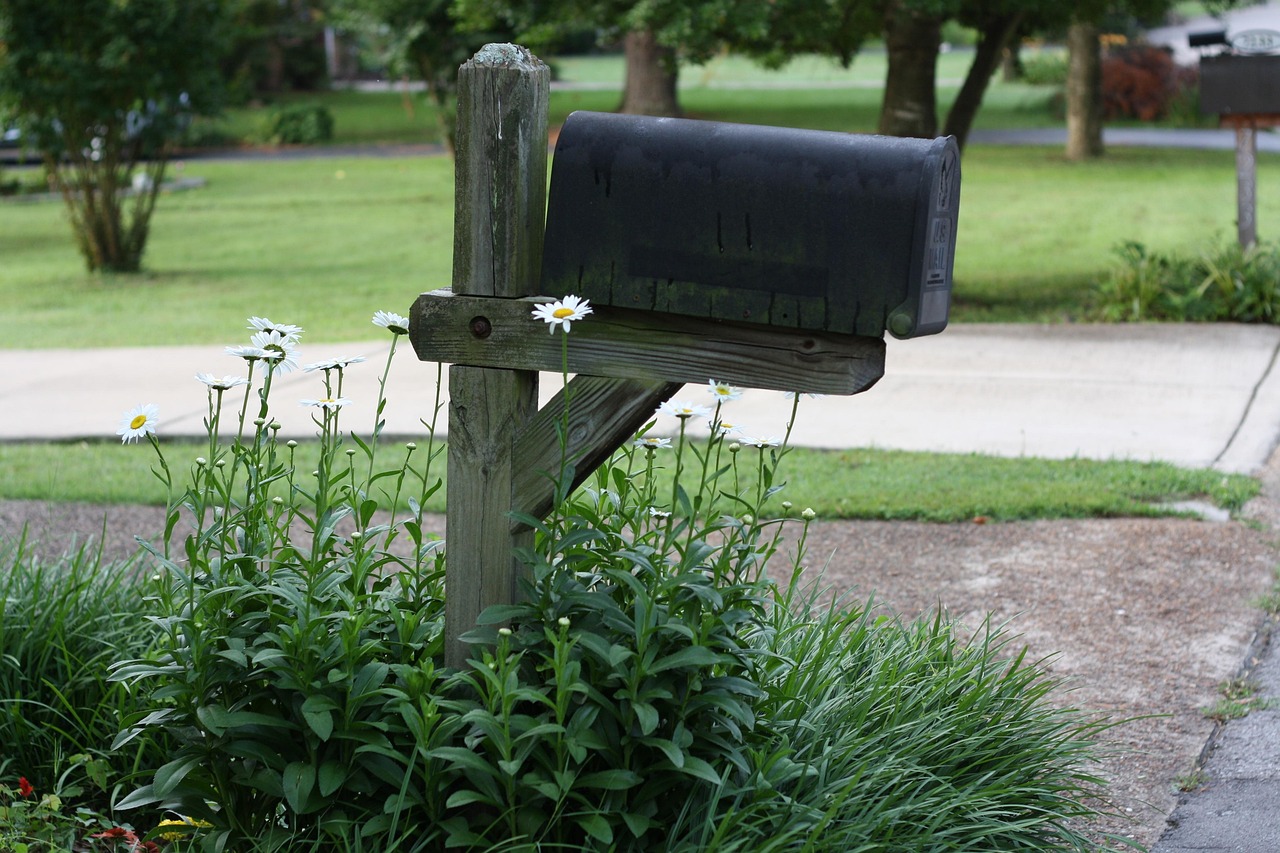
[{"x": 860, "y": 483}]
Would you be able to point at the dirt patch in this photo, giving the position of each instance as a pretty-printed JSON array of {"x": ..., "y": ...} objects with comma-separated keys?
[{"x": 1143, "y": 618}]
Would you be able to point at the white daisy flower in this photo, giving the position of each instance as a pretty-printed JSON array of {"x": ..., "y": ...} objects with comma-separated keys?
[
  {"x": 248, "y": 353},
  {"x": 330, "y": 403},
  {"x": 682, "y": 410},
  {"x": 280, "y": 349},
  {"x": 769, "y": 441},
  {"x": 286, "y": 330},
  {"x": 393, "y": 323},
  {"x": 723, "y": 427},
  {"x": 562, "y": 312},
  {"x": 654, "y": 512},
  {"x": 791, "y": 395},
  {"x": 723, "y": 391},
  {"x": 224, "y": 384},
  {"x": 650, "y": 443},
  {"x": 331, "y": 363},
  {"x": 137, "y": 422}
]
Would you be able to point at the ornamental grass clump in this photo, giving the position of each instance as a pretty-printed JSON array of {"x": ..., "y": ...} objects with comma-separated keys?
[
  {"x": 662, "y": 683},
  {"x": 63, "y": 623}
]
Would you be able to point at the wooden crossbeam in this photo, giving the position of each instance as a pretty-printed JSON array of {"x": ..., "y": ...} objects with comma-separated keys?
[{"x": 643, "y": 345}]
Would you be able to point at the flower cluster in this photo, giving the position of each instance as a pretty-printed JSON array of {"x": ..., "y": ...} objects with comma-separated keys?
[{"x": 120, "y": 835}]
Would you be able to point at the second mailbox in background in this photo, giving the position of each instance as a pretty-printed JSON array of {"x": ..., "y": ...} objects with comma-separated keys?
[{"x": 803, "y": 229}]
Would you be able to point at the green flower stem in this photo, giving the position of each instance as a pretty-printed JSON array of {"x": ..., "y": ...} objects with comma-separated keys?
[{"x": 378, "y": 422}]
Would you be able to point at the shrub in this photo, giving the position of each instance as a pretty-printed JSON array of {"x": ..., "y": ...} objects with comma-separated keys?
[
  {"x": 654, "y": 689},
  {"x": 1143, "y": 82},
  {"x": 1045, "y": 68},
  {"x": 298, "y": 124},
  {"x": 1225, "y": 283}
]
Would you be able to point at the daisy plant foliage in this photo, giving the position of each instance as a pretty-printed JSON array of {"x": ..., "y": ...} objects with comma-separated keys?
[{"x": 670, "y": 677}]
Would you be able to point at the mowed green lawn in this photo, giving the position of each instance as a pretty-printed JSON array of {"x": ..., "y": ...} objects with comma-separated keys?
[{"x": 324, "y": 242}]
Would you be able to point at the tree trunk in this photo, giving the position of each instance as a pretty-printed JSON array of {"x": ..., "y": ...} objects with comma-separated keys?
[
  {"x": 1084, "y": 92},
  {"x": 650, "y": 87},
  {"x": 910, "y": 106},
  {"x": 1011, "y": 68},
  {"x": 992, "y": 40}
]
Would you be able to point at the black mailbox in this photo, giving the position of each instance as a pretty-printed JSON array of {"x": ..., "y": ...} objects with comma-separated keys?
[
  {"x": 1239, "y": 85},
  {"x": 811, "y": 230}
]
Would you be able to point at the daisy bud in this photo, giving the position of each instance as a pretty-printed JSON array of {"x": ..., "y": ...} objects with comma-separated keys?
[
  {"x": 734, "y": 447},
  {"x": 277, "y": 500},
  {"x": 201, "y": 461},
  {"x": 563, "y": 621},
  {"x": 786, "y": 504},
  {"x": 808, "y": 514},
  {"x": 504, "y": 632},
  {"x": 274, "y": 425},
  {"x": 291, "y": 443},
  {"x": 220, "y": 463},
  {"x": 411, "y": 446},
  {"x": 748, "y": 518},
  {"x": 351, "y": 451},
  {"x": 259, "y": 422}
]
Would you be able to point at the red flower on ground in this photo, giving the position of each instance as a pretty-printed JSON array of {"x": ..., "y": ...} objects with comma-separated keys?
[{"x": 24, "y": 787}]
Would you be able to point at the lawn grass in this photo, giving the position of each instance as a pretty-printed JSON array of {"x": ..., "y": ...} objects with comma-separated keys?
[
  {"x": 846, "y": 484},
  {"x": 322, "y": 240}
]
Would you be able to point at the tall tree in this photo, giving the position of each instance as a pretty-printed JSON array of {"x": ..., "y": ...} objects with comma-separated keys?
[
  {"x": 1084, "y": 91},
  {"x": 657, "y": 35},
  {"x": 912, "y": 38},
  {"x": 103, "y": 89}
]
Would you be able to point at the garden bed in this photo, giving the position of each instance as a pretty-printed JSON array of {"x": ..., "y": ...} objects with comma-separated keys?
[{"x": 1144, "y": 617}]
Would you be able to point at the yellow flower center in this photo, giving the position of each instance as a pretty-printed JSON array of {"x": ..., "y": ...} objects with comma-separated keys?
[
  {"x": 561, "y": 313},
  {"x": 137, "y": 422}
]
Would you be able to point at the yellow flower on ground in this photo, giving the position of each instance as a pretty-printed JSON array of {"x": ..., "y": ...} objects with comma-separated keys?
[
  {"x": 187, "y": 823},
  {"x": 137, "y": 422},
  {"x": 562, "y": 312}
]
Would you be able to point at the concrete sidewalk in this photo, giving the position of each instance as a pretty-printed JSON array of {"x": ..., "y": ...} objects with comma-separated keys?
[{"x": 1199, "y": 396}]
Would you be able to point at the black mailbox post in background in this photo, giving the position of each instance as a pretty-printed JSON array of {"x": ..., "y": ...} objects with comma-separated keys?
[
  {"x": 1243, "y": 89},
  {"x": 800, "y": 229}
]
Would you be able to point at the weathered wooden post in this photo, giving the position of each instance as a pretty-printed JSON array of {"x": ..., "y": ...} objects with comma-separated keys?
[
  {"x": 763, "y": 257},
  {"x": 500, "y": 195}
]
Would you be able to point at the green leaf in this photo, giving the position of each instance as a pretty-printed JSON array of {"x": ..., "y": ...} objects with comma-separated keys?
[
  {"x": 218, "y": 719},
  {"x": 331, "y": 776},
  {"x": 464, "y": 798},
  {"x": 320, "y": 722},
  {"x": 299, "y": 780},
  {"x": 699, "y": 768},
  {"x": 595, "y": 826},
  {"x": 695, "y": 656},
  {"x": 168, "y": 776},
  {"x": 647, "y": 716},
  {"x": 638, "y": 824},
  {"x": 610, "y": 780},
  {"x": 143, "y": 796}
]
